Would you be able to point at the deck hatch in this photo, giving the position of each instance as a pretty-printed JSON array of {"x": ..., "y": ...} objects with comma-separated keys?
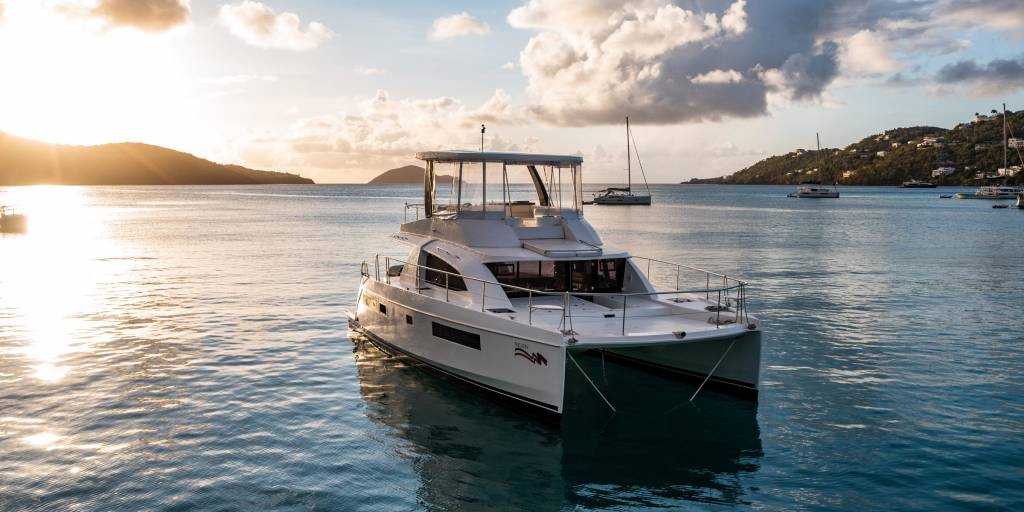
[{"x": 466, "y": 339}]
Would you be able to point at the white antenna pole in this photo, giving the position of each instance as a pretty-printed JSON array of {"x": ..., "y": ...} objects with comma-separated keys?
[{"x": 629, "y": 159}]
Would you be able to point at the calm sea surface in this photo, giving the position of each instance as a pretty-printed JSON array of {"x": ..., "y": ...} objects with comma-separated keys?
[{"x": 185, "y": 348}]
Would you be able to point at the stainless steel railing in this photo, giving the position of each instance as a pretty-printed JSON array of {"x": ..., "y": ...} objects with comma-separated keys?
[{"x": 731, "y": 297}]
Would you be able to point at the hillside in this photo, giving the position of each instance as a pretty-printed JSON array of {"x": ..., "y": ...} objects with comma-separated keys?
[
  {"x": 891, "y": 157},
  {"x": 28, "y": 162},
  {"x": 408, "y": 174}
]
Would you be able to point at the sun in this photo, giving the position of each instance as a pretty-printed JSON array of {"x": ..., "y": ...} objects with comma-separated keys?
[{"x": 67, "y": 79}]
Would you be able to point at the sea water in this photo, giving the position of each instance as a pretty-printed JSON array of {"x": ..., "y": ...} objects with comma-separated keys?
[{"x": 181, "y": 348}]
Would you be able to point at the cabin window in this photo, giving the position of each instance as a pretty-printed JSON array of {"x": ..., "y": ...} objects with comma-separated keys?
[
  {"x": 431, "y": 274},
  {"x": 582, "y": 276},
  {"x": 383, "y": 309}
]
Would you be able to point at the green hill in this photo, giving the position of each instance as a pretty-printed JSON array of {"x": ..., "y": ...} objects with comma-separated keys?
[
  {"x": 28, "y": 162},
  {"x": 891, "y": 157},
  {"x": 408, "y": 174}
]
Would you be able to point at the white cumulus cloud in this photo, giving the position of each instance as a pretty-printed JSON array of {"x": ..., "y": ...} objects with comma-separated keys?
[
  {"x": 458, "y": 25},
  {"x": 258, "y": 25}
]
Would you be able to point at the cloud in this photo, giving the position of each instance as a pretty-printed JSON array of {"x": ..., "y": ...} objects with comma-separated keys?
[
  {"x": 369, "y": 71},
  {"x": 1, "y": 12},
  {"x": 592, "y": 61},
  {"x": 384, "y": 132},
  {"x": 999, "y": 76},
  {"x": 145, "y": 15},
  {"x": 238, "y": 79},
  {"x": 718, "y": 76},
  {"x": 509, "y": 66},
  {"x": 458, "y": 25},
  {"x": 258, "y": 25},
  {"x": 867, "y": 53}
]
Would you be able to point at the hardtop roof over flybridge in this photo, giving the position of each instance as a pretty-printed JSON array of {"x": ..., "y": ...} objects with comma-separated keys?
[{"x": 508, "y": 158}]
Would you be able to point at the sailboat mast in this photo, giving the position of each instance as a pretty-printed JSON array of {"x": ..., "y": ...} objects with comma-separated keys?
[
  {"x": 1004, "y": 139},
  {"x": 629, "y": 160}
]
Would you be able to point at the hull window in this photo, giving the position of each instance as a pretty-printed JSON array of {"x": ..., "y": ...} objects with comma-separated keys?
[
  {"x": 383, "y": 309},
  {"x": 434, "y": 277},
  {"x": 466, "y": 339}
]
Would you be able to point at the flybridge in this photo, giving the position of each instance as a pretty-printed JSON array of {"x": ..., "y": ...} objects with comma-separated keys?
[{"x": 481, "y": 185}]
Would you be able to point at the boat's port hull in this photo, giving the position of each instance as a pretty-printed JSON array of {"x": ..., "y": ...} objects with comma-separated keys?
[{"x": 456, "y": 341}]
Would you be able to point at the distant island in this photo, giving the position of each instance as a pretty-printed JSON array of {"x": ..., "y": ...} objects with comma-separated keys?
[
  {"x": 968, "y": 154},
  {"x": 408, "y": 174},
  {"x": 28, "y": 162}
]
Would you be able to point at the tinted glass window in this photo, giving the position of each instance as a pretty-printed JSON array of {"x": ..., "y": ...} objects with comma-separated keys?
[{"x": 454, "y": 282}]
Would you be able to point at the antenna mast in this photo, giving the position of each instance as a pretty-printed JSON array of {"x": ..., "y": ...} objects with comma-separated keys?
[
  {"x": 483, "y": 128},
  {"x": 1005, "y": 144},
  {"x": 629, "y": 171}
]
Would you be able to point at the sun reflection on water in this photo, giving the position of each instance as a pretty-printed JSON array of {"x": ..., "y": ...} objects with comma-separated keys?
[{"x": 52, "y": 276}]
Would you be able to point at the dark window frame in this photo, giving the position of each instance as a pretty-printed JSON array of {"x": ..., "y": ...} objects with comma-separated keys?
[{"x": 458, "y": 336}]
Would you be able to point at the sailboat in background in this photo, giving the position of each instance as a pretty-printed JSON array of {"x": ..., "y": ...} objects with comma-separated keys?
[
  {"x": 618, "y": 195},
  {"x": 997, "y": 191},
  {"x": 813, "y": 189}
]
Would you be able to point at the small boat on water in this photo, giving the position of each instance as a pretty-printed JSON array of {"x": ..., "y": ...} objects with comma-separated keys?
[
  {"x": 625, "y": 196},
  {"x": 991, "y": 192},
  {"x": 912, "y": 183},
  {"x": 11, "y": 221},
  {"x": 813, "y": 189},
  {"x": 1000, "y": 206},
  {"x": 1020, "y": 200},
  {"x": 946, "y": 196},
  {"x": 506, "y": 293}
]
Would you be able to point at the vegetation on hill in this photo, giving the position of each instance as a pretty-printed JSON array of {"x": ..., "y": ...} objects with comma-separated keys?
[
  {"x": 406, "y": 175},
  {"x": 28, "y": 162},
  {"x": 892, "y": 157}
]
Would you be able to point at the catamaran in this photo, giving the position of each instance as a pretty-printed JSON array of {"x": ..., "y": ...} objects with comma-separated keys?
[
  {"x": 996, "y": 191},
  {"x": 813, "y": 189},
  {"x": 618, "y": 195},
  {"x": 504, "y": 287}
]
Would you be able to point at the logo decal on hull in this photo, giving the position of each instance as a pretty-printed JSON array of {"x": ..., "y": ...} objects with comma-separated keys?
[{"x": 535, "y": 358}]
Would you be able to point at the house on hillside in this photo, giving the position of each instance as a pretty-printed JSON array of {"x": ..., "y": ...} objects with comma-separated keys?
[
  {"x": 847, "y": 174},
  {"x": 1013, "y": 170},
  {"x": 895, "y": 145},
  {"x": 881, "y": 153},
  {"x": 943, "y": 171}
]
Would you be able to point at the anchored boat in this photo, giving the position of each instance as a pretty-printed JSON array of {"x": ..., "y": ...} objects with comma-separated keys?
[
  {"x": 813, "y": 189},
  {"x": 626, "y": 196},
  {"x": 996, "y": 191},
  {"x": 504, "y": 289}
]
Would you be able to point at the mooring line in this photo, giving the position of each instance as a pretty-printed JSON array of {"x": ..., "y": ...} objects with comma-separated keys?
[
  {"x": 706, "y": 379},
  {"x": 585, "y": 376}
]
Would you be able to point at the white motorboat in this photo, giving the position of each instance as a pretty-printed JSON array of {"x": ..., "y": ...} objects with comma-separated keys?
[
  {"x": 1020, "y": 200},
  {"x": 505, "y": 290},
  {"x": 991, "y": 192},
  {"x": 626, "y": 196},
  {"x": 813, "y": 189},
  {"x": 996, "y": 191}
]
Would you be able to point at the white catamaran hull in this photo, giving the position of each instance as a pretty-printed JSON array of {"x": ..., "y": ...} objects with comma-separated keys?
[{"x": 528, "y": 365}]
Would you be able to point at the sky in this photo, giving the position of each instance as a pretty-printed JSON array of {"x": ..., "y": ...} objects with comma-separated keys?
[{"x": 340, "y": 91}]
